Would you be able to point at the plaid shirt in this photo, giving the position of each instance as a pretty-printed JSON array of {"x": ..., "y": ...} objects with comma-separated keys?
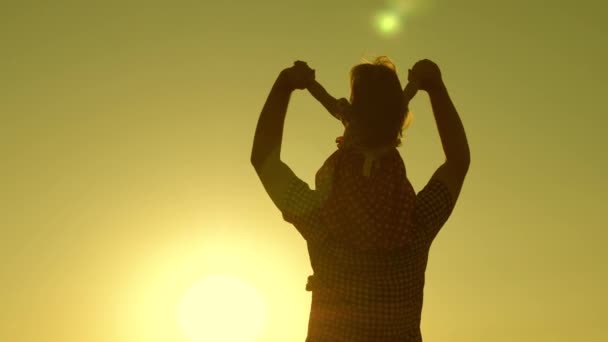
[{"x": 359, "y": 293}]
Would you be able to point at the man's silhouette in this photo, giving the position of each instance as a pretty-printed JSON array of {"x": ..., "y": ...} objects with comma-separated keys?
[{"x": 368, "y": 234}]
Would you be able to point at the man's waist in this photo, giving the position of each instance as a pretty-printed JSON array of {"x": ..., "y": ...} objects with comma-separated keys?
[
  {"x": 361, "y": 291},
  {"x": 364, "y": 321}
]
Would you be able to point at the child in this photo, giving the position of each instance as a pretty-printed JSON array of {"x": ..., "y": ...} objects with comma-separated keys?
[{"x": 367, "y": 200}]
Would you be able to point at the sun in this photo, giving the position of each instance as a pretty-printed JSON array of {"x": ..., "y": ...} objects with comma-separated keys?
[{"x": 222, "y": 308}]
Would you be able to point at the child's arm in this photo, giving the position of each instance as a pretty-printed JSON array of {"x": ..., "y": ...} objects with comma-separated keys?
[
  {"x": 409, "y": 91},
  {"x": 335, "y": 107}
]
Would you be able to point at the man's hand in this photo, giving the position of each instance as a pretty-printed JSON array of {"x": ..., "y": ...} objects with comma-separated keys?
[
  {"x": 299, "y": 76},
  {"x": 425, "y": 74}
]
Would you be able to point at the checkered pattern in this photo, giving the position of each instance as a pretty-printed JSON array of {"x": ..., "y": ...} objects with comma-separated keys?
[
  {"x": 367, "y": 285},
  {"x": 367, "y": 212}
]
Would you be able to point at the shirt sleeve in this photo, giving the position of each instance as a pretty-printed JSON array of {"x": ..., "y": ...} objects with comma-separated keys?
[
  {"x": 301, "y": 207},
  {"x": 433, "y": 208}
]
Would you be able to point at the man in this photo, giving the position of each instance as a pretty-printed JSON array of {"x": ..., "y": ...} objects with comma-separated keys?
[{"x": 368, "y": 267}]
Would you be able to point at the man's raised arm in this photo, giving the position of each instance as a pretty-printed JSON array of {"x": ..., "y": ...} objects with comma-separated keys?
[
  {"x": 266, "y": 151},
  {"x": 269, "y": 131},
  {"x": 449, "y": 125}
]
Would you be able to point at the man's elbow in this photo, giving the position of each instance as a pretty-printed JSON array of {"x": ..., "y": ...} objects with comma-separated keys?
[
  {"x": 264, "y": 158},
  {"x": 463, "y": 160},
  {"x": 261, "y": 162},
  {"x": 466, "y": 162},
  {"x": 256, "y": 162},
  {"x": 459, "y": 166},
  {"x": 465, "y": 167}
]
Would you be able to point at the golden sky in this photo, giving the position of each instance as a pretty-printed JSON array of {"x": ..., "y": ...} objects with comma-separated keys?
[{"x": 126, "y": 129}]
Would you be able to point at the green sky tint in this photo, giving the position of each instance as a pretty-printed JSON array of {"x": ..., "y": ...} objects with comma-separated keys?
[{"x": 126, "y": 128}]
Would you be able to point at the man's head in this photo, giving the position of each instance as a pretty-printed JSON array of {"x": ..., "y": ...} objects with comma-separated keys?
[{"x": 378, "y": 109}]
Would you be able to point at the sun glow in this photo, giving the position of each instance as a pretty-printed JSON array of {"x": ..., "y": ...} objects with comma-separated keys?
[
  {"x": 390, "y": 20},
  {"x": 222, "y": 308},
  {"x": 217, "y": 288}
]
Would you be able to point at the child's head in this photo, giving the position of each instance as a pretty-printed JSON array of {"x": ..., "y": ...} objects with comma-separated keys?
[{"x": 378, "y": 109}]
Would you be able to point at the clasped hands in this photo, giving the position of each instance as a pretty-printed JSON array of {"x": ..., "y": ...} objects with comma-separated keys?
[
  {"x": 424, "y": 75},
  {"x": 299, "y": 76}
]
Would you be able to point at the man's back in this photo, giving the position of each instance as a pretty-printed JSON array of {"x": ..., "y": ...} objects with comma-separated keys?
[{"x": 366, "y": 296}]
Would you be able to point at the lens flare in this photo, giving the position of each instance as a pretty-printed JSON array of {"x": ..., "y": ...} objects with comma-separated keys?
[{"x": 389, "y": 21}]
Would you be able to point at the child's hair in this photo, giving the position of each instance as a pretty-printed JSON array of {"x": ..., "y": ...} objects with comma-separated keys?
[{"x": 378, "y": 111}]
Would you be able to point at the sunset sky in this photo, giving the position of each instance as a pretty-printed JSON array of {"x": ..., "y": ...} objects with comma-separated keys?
[{"x": 126, "y": 130}]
